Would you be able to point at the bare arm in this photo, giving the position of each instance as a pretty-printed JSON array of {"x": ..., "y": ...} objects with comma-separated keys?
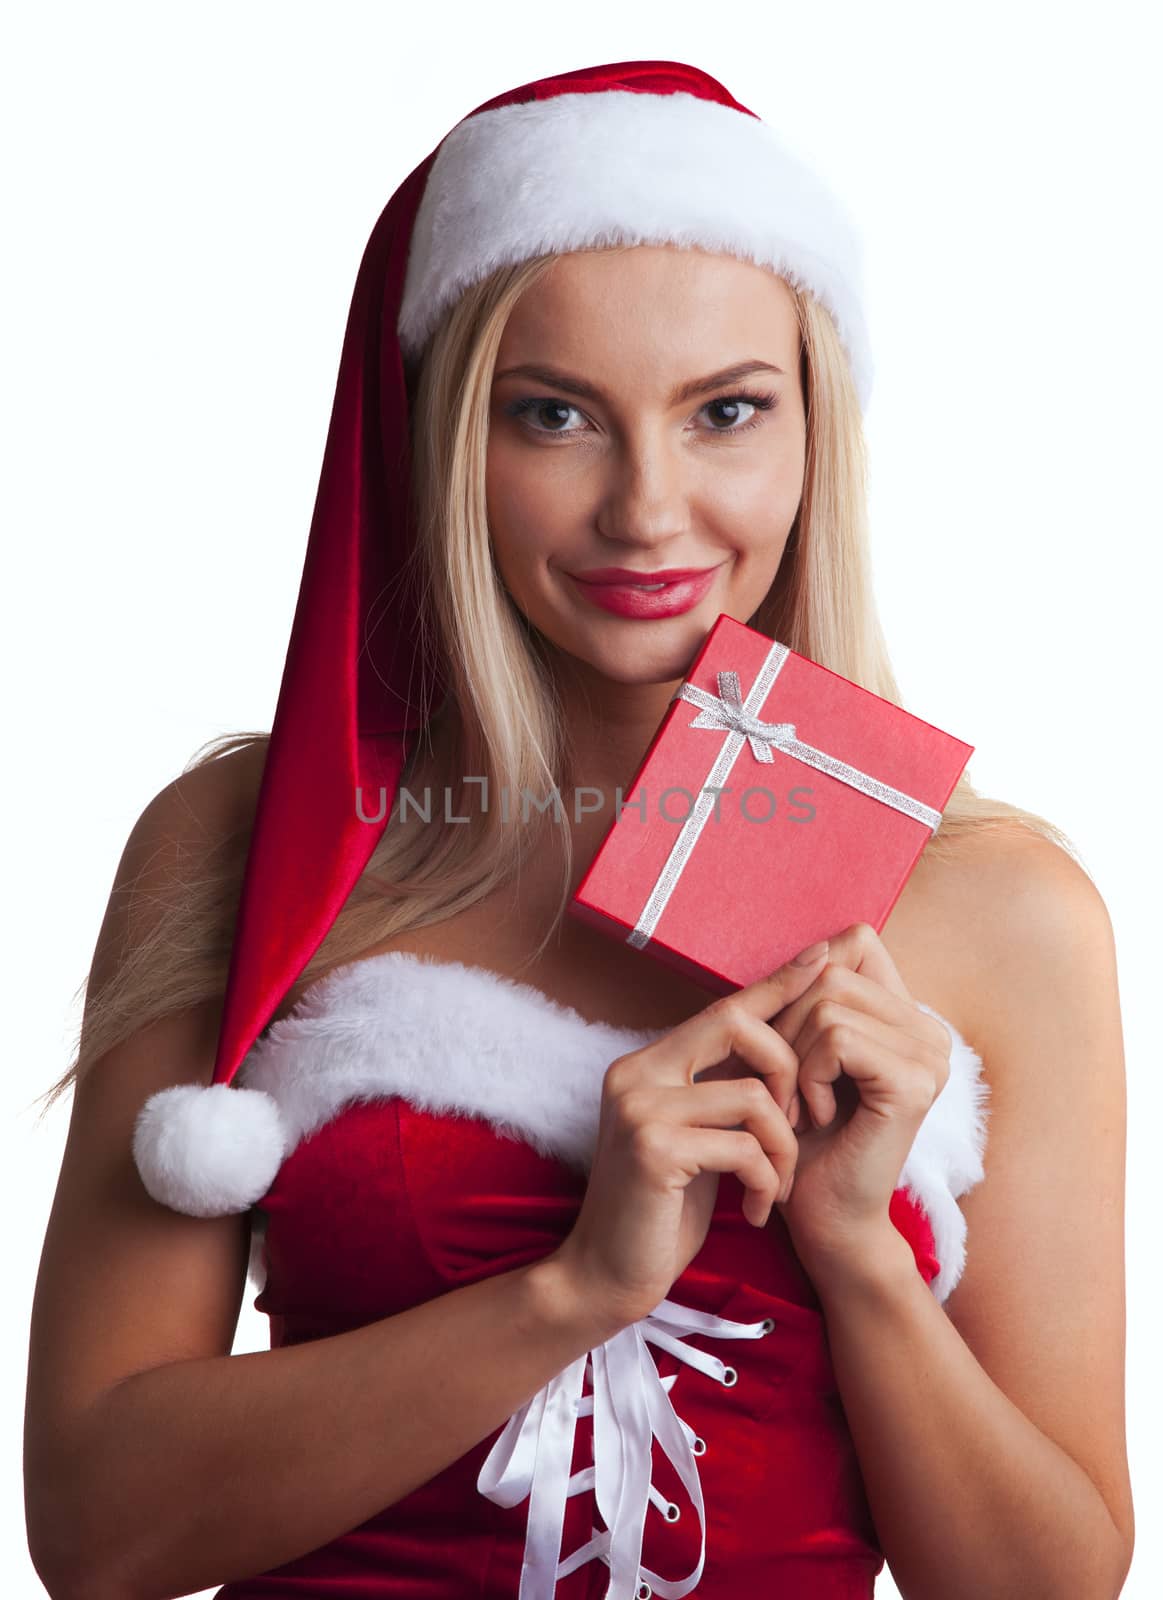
[
  {"x": 991, "y": 1431},
  {"x": 195, "y": 1472},
  {"x": 156, "y": 1462}
]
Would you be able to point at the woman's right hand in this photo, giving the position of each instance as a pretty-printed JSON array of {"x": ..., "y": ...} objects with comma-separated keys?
[{"x": 663, "y": 1139}]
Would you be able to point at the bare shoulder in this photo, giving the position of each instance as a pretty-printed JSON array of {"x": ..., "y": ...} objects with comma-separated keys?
[
  {"x": 207, "y": 802},
  {"x": 977, "y": 923},
  {"x": 1010, "y": 877},
  {"x": 203, "y": 816},
  {"x": 190, "y": 821},
  {"x": 1034, "y": 919}
]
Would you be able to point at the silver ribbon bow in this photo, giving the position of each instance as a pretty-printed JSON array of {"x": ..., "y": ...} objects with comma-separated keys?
[
  {"x": 728, "y": 712},
  {"x": 630, "y": 1404}
]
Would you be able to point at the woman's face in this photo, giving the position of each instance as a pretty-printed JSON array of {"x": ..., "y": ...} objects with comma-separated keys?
[{"x": 613, "y": 450}]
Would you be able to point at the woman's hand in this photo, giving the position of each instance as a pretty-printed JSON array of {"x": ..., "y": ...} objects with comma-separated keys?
[
  {"x": 663, "y": 1139},
  {"x": 839, "y": 1038},
  {"x": 870, "y": 1065}
]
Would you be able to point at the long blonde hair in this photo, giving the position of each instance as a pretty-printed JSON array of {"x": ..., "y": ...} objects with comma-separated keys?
[{"x": 501, "y": 718}]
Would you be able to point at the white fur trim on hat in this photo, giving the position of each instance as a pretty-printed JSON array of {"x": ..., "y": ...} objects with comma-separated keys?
[
  {"x": 581, "y": 171},
  {"x": 462, "y": 1040}
]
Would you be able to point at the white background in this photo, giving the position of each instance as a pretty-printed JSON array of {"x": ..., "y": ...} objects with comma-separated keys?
[{"x": 187, "y": 193}]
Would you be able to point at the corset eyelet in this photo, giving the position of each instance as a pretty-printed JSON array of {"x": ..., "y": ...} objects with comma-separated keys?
[
  {"x": 672, "y": 1512},
  {"x": 769, "y": 1324},
  {"x": 699, "y": 1447},
  {"x": 730, "y": 1378}
]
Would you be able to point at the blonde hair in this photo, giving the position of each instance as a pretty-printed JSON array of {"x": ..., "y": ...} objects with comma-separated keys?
[{"x": 501, "y": 718}]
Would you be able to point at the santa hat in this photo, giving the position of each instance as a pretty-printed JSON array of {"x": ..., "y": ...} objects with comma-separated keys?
[{"x": 637, "y": 152}]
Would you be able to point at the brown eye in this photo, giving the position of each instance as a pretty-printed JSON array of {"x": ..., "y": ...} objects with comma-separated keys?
[
  {"x": 758, "y": 402},
  {"x": 536, "y": 405}
]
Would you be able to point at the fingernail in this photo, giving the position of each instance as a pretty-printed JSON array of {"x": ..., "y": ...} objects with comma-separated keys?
[{"x": 812, "y": 953}]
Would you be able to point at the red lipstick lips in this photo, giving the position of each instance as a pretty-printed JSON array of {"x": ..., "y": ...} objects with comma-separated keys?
[
  {"x": 620, "y": 590},
  {"x": 628, "y": 575}
]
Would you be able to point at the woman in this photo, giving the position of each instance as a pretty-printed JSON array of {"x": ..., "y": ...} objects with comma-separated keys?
[{"x": 518, "y": 1182}]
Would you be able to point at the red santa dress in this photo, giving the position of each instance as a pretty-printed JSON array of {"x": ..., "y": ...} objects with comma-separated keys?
[{"x": 440, "y": 1119}]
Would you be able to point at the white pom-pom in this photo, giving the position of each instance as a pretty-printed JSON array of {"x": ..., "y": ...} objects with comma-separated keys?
[{"x": 209, "y": 1151}]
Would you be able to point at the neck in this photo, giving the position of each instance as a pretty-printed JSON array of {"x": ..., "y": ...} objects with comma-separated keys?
[{"x": 610, "y": 726}]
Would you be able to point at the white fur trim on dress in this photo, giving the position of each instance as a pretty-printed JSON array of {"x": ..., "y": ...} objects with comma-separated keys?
[
  {"x": 581, "y": 171},
  {"x": 462, "y": 1040},
  {"x": 945, "y": 1160}
]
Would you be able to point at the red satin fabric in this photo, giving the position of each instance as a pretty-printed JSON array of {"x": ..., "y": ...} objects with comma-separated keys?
[{"x": 387, "y": 1206}]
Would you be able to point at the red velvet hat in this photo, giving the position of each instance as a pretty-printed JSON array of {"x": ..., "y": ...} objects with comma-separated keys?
[{"x": 638, "y": 152}]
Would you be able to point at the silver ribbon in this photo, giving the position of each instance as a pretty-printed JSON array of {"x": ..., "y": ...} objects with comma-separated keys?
[
  {"x": 630, "y": 1405},
  {"x": 730, "y": 713}
]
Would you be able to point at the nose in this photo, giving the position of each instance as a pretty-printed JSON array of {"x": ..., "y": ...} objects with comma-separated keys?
[{"x": 645, "y": 502}]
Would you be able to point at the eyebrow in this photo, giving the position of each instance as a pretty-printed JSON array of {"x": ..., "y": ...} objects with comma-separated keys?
[{"x": 554, "y": 378}]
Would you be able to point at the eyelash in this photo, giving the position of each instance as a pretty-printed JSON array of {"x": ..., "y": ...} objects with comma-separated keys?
[{"x": 761, "y": 402}]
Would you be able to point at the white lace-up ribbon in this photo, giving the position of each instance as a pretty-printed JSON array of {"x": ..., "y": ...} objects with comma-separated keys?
[{"x": 631, "y": 1407}]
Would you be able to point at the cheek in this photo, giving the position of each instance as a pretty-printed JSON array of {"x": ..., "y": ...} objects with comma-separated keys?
[
  {"x": 516, "y": 576},
  {"x": 757, "y": 509},
  {"x": 527, "y": 513},
  {"x": 506, "y": 507},
  {"x": 499, "y": 484},
  {"x": 766, "y": 490},
  {"x": 516, "y": 539}
]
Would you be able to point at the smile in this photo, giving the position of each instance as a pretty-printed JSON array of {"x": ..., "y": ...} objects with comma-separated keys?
[{"x": 648, "y": 600}]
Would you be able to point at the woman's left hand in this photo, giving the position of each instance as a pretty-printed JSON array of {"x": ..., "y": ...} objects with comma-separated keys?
[{"x": 871, "y": 1063}]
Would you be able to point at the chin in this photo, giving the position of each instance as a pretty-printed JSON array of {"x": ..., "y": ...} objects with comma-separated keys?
[{"x": 639, "y": 660}]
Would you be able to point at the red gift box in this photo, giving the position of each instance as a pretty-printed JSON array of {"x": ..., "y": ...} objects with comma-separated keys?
[{"x": 828, "y": 795}]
